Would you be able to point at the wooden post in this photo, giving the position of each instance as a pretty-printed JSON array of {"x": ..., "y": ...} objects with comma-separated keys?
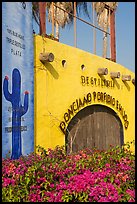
[
  {"x": 42, "y": 13},
  {"x": 52, "y": 18},
  {"x": 105, "y": 35},
  {"x": 112, "y": 36},
  {"x": 75, "y": 40},
  {"x": 109, "y": 11},
  {"x": 94, "y": 29}
]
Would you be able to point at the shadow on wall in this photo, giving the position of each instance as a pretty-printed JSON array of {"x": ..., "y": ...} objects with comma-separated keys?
[{"x": 51, "y": 69}]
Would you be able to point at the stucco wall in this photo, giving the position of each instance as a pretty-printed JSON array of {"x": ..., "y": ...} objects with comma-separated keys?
[{"x": 58, "y": 88}]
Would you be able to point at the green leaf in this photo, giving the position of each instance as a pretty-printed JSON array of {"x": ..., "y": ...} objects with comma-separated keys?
[
  {"x": 111, "y": 179},
  {"x": 105, "y": 179}
]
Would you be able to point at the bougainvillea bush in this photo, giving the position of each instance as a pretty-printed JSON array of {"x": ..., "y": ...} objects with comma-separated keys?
[{"x": 86, "y": 176}]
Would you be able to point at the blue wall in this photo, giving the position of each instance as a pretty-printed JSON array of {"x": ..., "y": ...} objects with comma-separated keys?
[{"x": 18, "y": 85}]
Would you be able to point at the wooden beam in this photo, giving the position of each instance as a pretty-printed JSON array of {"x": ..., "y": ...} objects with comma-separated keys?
[
  {"x": 42, "y": 13},
  {"x": 94, "y": 30},
  {"x": 75, "y": 37},
  {"x": 112, "y": 36},
  {"x": 52, "y": 18}
]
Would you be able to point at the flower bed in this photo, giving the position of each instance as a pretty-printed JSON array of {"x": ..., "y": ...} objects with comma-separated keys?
[{"x": 86, "y": 176}]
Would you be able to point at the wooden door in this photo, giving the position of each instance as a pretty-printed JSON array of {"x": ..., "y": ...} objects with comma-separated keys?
[{"x": 95, "y": 126}]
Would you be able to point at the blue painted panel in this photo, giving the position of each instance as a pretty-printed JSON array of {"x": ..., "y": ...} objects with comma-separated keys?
[{"x": 17, "y": 79}]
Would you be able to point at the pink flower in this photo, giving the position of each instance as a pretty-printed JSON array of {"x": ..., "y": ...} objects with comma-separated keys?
[
  {"x": 52, "y": 185},
  {"x": 131, "y": 200},
  {"x": 77, "y": 157},
  {"x": 119, "y": 175},
  {"x": 40, "y": 180},
  {"x": 124, "y": 178},
  {"x": 131, "y": 192},
  {"x": 117, "y": 181},
  {"x": 107, "y": 165},
  {"x": 8, "y": 181},
  {"x": 103, "y": 199},
  {"x": 84, "y": 155}
]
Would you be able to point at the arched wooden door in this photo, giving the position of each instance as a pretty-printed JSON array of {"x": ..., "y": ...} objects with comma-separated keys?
[{"x": 94, "y": 126}]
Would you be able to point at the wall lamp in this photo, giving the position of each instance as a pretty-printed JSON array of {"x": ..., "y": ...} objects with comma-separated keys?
[
  {"x": 115, "y": 75},
  {"x": 102, "y": 71},
  {"x": 126, "y": 77},
  {"x": 133, "y": 81},
  {"x": 46, "y": 57}
]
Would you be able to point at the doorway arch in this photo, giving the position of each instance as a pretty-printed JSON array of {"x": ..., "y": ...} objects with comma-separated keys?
[{"x": 94, "y": 126}]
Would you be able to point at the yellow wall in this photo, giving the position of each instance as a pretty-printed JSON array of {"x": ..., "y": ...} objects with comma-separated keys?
[{"x": 57, "y": 87}]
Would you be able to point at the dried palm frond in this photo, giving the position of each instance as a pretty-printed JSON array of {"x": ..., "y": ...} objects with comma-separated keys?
[
  {"x": 103, "y": 13},
  {"x": 82, "y": 6},
  {"x": 60, "y": 16},
  {"x": 63, "y": 18},
  {"x": 35, "y": 12}
]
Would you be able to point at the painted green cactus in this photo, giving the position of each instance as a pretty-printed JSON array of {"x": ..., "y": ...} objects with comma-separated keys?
[{"x": 17, "y": 110}]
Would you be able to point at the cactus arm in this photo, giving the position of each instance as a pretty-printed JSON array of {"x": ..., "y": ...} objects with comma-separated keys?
[
  {"x": 7, "y": 94},
  {"x": 25, "y": 107},
  {"x": 16, "y": 87}
]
